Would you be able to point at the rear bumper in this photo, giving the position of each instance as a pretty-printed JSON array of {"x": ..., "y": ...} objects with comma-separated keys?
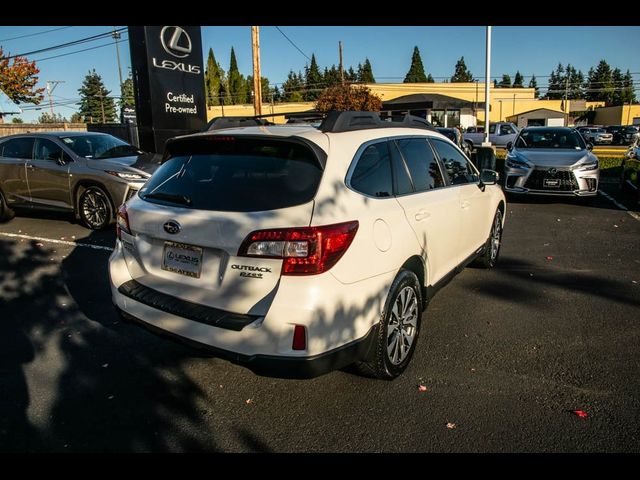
[{"x": 276, "y": 365}]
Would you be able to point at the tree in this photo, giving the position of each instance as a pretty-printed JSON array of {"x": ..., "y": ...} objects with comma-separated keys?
[
  {"x": 365, "y": 72},
  {"x": 76, "y": 118},
  {"x": 518, "y": 80},
  {"x": 348, "y": 97},
  {"x": 556, "y": 85},
  {"x": 18, "y": 80},
  {"x": 628, "y": 94},
  {"x": 47, "y": 117},
  {"x": 264, "y": 84},
  {"x": 17, "y": 120},
  {"x": 236, "y": 83},
  {"x": 277, "y": 94},
  {"x": 214, "y": 80},
  {"x": 127, "y": 98},
  {"x": 291, "y": 88},
  {"x": 505, "y": 82},
  {"x": 533, "y": 83},
  {"x": 350, "y": 75},
  {"x": 416, "y": 70},
  {"x": 95, "y": 103},
  {"x": 331, "y": 76},
  {"x": 462, "y": 73},
  {"x": 312, "y": 80},
  {"x": 599, "y": 84}
]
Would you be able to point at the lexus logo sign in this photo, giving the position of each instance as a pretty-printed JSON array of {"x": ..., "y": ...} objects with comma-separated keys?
[{"x": 175, "y": 41}]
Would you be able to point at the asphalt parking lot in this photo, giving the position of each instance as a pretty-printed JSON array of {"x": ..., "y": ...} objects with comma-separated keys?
[{"x": 505, "y": 355}]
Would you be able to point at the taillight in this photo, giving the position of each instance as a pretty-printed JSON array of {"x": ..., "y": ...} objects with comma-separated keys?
[
  {"x": 122, "y": 221},
  {"x": 305, "y": 250}
]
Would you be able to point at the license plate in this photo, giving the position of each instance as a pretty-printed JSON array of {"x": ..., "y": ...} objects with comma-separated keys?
[
  {"x": 551, "y": 182},
  {"x": 182, "y": 258}
]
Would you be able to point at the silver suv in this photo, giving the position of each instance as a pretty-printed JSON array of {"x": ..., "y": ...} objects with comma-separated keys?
[{"x": 89, "y": 174}]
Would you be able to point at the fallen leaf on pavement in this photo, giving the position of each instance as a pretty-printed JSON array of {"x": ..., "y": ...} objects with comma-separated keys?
[
  {"x": 422, "y": 388},
  {"x": 110, "y": 397},
  {"x": 451, "y": 425},
  {"x": 580, "y": 413},
  {"x": 616, "y": 226},
  {"x": 248, "y": 401},
  {"x": 39, "y": 244},
  {"x": 549, "y": 258}
]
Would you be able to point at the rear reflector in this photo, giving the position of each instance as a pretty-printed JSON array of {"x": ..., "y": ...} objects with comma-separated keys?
[
  {"x": 122, "y": 221},
  {"x": 299, "y": 338},
  {"x": 305, "y": 250}
]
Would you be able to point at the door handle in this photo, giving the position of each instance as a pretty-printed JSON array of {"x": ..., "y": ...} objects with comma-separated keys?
[
  {"x": 422, "y": 215},
  {"x": 465, "y": 204}
]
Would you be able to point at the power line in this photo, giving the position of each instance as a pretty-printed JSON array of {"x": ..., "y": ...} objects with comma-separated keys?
[
  {"x": 79, "y": 51},
  {"x": 68, "y": 44},
  {"x": 33, "y": 34},
  {"x": 291, "y": 42}
]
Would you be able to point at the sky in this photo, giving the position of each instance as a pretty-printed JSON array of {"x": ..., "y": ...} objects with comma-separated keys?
[{"x": 529, "y": 49}]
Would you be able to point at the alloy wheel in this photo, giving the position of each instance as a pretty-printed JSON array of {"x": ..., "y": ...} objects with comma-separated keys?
[{"x": 402, "y": 326}]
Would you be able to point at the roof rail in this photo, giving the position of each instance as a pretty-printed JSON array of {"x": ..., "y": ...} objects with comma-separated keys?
[
  {"x": 349, "y": 121},
  {"x": 220, "y": 123}
]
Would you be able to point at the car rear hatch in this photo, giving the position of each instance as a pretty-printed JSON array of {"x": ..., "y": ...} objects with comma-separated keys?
[{"x": 190, "y": 220}]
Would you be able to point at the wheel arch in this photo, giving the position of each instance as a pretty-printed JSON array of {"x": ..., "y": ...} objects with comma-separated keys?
[
  {"x": 416, "y": 265},
  {"x": 84, "y": 184}
]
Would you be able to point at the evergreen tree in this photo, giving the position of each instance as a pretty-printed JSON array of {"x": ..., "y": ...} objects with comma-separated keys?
[
  {"x": 365, "y": 72},
  {"x": 518, "y": 80},
  {"x": 237, "y": 87},
  {"x": 277, "y": 94},
  {"x": 505, "y": 82},
  {"x": 462, "y": 73},
  {"x": 127, "y": 98},
  {"x": 266, "y": 91},
  {"x": 214, "y": 80},
  {"x": 76, "y": 118},
  {"x": 600, "y": 85},
  {"x": 533, "y": 83},
  {"x": 350, "y": 75},
  {"x": 312, "y": 80},
  {"x": 430, "y": 79},
  {"x": 94, "y": 100},
  {"x": 555, "y": 88},
  {"x": 291, "y": 88},
  {"x": 572, "y": 83},
  {"x": 416, "y": 70},
  {"x": 628, "y": 94},
  {"x": 331, "y": 76}
]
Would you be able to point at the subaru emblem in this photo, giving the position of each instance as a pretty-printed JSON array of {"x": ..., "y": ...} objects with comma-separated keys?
[{"x": 172, "y": 227}]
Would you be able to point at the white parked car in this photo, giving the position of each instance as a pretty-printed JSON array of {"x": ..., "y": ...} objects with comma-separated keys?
[{"x": 296, "y": 250}]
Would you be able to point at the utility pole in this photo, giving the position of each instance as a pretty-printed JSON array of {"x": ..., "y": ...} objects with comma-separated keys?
[
  {"x": 51, "y": 85},
  {"x": 257, "y": 83},
  {"x": 513, "y": 110},
  {"x": 486, "y": 89},
  {"x": 341, "y": 67},
  {"x": 116, "y": 37}
]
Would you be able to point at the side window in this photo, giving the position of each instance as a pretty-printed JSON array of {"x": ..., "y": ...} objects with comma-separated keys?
[
  {"x": 19, "y": 148},
  {"x": 455, "y": 164},
  {"x": 492, "y": 128},
  {"x": 506, "y": 130},
  {"x": 421, "y": 163},
  {"x": 47, "y": 150},
  {"x": 372, "y": 175}
]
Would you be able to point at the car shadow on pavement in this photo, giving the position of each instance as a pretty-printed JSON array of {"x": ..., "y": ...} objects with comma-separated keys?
[
  {"x": 116, "y": 387},
  {"x": 597, "y": 201}
]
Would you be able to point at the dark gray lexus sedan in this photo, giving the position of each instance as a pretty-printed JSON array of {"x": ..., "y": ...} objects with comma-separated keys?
[
  {"x": 551, "y": 161},
  {"x": 89, "y": 174}
]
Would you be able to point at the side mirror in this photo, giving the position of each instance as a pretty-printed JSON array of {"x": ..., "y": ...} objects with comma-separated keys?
[
  {"x": 509, "y": 146},
  {"x": 489, "y": 177},
  {"x": 589, "y": 146}
]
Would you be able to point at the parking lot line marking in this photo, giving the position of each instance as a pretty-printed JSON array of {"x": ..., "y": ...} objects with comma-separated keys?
[
  {"x": 619, "y": 205},
  {"x": 52, "y": 240}
]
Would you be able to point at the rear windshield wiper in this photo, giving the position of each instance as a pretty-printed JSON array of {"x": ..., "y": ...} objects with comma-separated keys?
[{"x": 170, "y": 197}]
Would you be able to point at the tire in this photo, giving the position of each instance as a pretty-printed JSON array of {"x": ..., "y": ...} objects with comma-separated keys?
[
  {"x": 391, "y": 354},
  {"x": 94, "y": 208},
  {"x": 491, "y": 250},
  {"x": 5, "y": 212}
]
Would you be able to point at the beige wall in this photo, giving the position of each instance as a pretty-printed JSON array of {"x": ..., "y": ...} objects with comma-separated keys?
[
  {"x": 14, "y": 128},
  {"x": 247, "y": 110},
  {"x": 620, "y": 115}
]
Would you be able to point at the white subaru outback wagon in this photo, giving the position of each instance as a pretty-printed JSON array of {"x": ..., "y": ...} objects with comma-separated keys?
[{"x": 296, "y": 250}]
